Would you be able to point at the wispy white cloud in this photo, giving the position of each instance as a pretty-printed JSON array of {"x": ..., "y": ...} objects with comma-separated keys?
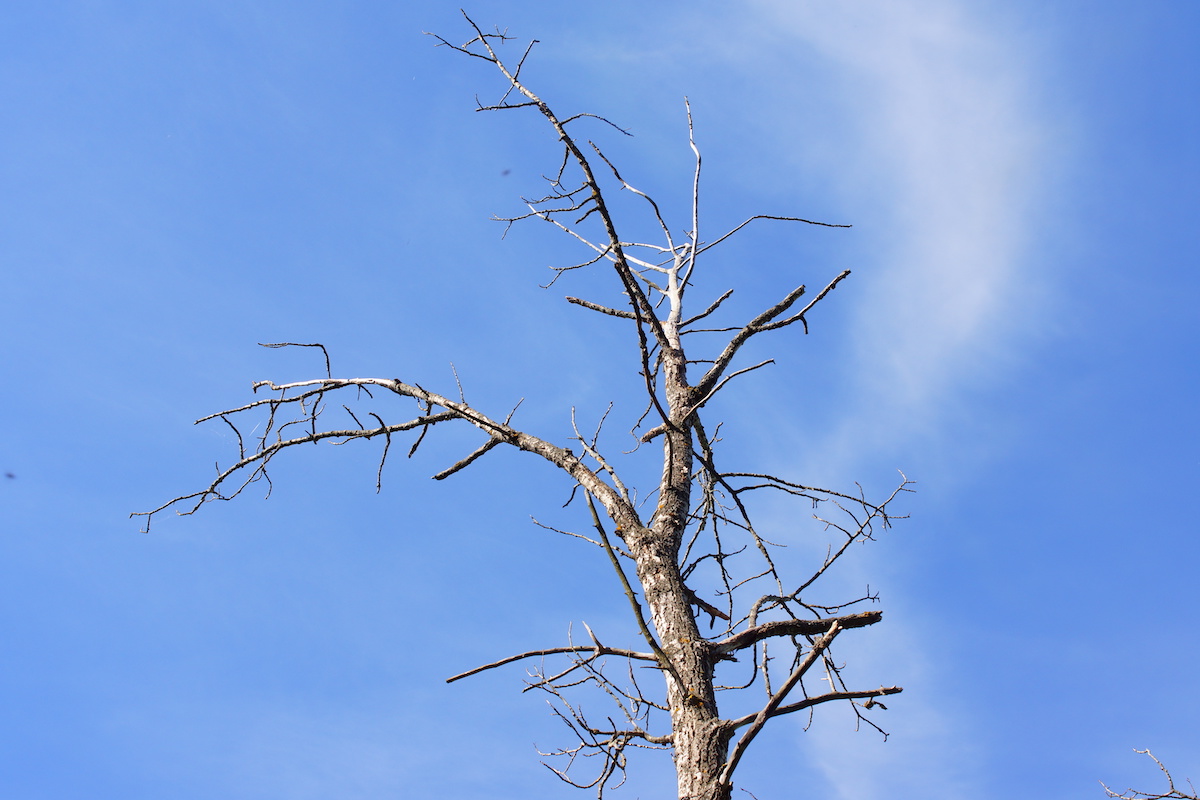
[
  {"x": 946, "y": 152},
  {"x": 938, "y": 141}
]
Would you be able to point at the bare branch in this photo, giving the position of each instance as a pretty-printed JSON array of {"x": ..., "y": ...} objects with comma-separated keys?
[
  {"x": 800, "y": 317},
  {"x": 641, "y": 305},
  {"x": 694, "y": 234},
  {"x": 700, "y": 403},
  {"x": 626, "y": 185},
  {"x": 794, "y": 627},
  {"x": 260, "y": 459},
  {"x": 809, "y": 702},
  {"x": 760, "y": 719},
  {"x": 560, "y": 457},
  {"x": 1172, "y": 793},
  {"x": 722, "y": 238},
  {"x": 466, "y": 462},
  {"x": 612, "y": 312},
  {"x": 277, "y": 345},
  {"x": 704, "y": 387},
  {"x": 549, "y": 651},
  {"x": 715, "y": 305}
]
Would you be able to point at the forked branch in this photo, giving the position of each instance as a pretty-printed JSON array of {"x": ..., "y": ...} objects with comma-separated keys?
[{"x": 1173, "y": 792}]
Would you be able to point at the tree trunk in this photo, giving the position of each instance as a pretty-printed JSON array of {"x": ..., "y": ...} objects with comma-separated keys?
[{"x": 701, "y": 743}]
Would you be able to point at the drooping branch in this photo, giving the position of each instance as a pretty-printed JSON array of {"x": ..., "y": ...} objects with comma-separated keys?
[
  {"x": 260, "y": 459},
  {"x": 252, "y": 467},
  {"x": 725, "y": 236},
  {"x": 610, "y": 742}
]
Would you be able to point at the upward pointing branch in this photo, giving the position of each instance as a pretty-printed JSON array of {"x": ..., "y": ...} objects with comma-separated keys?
[
  {"x": 642, "y": 307},
  {"x": 763, "y": 322}
]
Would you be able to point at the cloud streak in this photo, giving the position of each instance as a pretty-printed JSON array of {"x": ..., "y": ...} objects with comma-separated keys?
[
  {"x": 945, "y": 153},
  {"x": 936, "y": 119}
]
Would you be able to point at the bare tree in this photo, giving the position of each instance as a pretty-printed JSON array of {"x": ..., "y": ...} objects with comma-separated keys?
[
  {"x": 1172, "y": 792},
  {"x": 693, "y": 530}
]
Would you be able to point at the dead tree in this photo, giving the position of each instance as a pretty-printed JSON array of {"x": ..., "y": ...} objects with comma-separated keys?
[
  {"x": 1172, "y": 793},
  {"x": 692, "y": 531}
]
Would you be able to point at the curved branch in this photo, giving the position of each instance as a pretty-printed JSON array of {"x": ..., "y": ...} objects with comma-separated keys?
[
  {"x": 498, "y": 432},
  {"x": 716, "y": 242}
]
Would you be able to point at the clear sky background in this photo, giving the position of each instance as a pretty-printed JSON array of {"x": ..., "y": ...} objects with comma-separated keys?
[{"x": 179, "y": 181}]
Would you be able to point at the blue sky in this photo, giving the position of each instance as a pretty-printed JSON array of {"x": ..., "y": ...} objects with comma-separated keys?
[{"x": 184, "y": 180}]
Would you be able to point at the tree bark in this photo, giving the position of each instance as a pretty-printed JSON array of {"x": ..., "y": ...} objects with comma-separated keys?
[
  {"x": 701, "y": 741},
  {"x": 700, "y": 738}
]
